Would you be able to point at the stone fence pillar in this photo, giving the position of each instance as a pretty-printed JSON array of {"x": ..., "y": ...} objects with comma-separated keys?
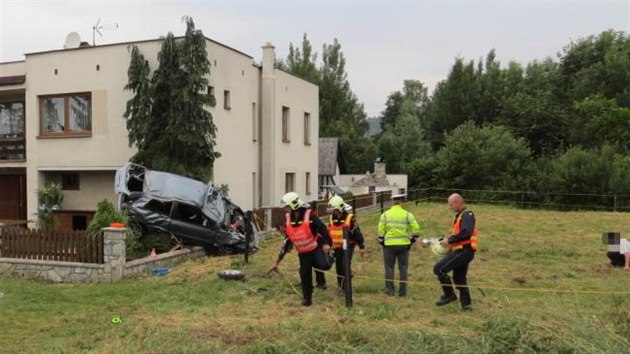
[{"x": 114, "y": 253}]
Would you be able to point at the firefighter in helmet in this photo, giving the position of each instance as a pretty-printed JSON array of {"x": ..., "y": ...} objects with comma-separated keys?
[{"x": 341, "y": 218}]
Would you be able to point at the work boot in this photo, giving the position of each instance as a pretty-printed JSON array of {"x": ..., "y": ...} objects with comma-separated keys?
[
  {"x": 307, "y": 302},
  {"x": 466, "y": 307},
  {"x": 321, "y": 286},
  {"x": 446, "y": 299}
]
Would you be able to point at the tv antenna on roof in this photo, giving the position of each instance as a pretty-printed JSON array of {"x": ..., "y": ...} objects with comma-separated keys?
[{"x": 97, "y": 27}]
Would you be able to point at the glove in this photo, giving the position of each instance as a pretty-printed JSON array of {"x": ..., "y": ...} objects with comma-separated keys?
[
  {"x": 381, "y": 240},
  {"x": 414, "y": 238}
]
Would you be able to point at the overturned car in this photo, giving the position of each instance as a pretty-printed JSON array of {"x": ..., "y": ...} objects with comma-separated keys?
[{"x": 194, "y": 212}]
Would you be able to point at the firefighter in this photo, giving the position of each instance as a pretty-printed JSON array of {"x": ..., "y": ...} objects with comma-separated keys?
[
  {"x": 309, "y": 235},
  {"x": 341, "y": 218},
  {"x": 462, "y": 243},
  {"x": 397, "y": 231}
]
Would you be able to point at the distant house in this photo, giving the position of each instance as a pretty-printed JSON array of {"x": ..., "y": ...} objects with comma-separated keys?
[{"x": 377, "y": 181}]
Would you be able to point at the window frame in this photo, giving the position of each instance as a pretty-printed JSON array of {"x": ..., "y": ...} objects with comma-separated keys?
[
  {"x": 12, "y": 135},
  {"x": 71, "y": 181},
  {"x": 289, "y": 182},
  {"x": 307, "y": 128},
  {"x": 66, "y": 115},
  {"x": 286, "y": 124},
  {"x": 226, "y": 100},
  {"x": 308, "y": 183}
]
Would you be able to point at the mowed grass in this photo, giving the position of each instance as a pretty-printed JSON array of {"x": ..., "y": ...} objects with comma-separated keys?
[{"x": 540, "y": 283}]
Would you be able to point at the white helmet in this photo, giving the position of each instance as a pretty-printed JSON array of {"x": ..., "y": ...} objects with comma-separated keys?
[
  {"x": 437, "y": 248},
  {"x": 336, "y": 203},
  {"x": 291, "y": 199}
]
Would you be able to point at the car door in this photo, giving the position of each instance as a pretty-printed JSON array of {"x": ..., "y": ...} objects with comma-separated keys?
[{"x": 191, "y": 225}]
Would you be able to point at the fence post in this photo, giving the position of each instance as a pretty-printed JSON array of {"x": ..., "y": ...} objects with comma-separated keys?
[
  {"x": 268, "y": 218},
  {"x": 248, "y": 233},
  {"x": 615, "y": 203},
  {"x": 114, "y": 252}
]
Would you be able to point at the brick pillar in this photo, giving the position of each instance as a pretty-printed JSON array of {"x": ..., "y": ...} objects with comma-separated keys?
[{"x": 114, "y": 252}]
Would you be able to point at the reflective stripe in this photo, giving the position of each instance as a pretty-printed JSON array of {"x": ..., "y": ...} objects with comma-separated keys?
[
  {"x": 396, "y": 225},
  {"x": 474, "y": 238},
  {"x": 301, "y": 236},
  {"x": 336, "y": 231}
]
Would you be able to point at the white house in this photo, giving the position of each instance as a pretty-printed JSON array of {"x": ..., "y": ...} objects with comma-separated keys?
[{"x": 61, "y": 119}]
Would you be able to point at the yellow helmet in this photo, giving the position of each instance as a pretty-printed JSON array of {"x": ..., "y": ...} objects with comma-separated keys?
[
  {"x": 291, "y": 199},
  {"x": 336, "y": 203}
]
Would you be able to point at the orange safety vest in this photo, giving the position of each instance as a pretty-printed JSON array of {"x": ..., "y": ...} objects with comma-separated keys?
[
  {"x": 473, "y": 241},
  {"x": 301, "y": 235},
  {"x": 336, "y": 231}
]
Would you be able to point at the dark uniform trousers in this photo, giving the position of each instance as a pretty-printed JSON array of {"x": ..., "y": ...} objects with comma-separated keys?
[
  {"x": 307, "y": 263},
  {"x": 458, "y": 263}
]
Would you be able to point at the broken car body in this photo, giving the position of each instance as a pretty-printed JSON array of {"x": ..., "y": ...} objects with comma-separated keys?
[{"x": 190, "y": 210}]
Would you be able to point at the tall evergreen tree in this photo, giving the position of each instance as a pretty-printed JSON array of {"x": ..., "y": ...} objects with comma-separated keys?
[{"x": 166, "y": 118}]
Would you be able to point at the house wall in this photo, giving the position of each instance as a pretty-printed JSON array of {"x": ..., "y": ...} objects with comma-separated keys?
[
  {"x": 107, "y": 148},
  {"x": 13, "y": 68},
  {"x": 295, "y": 156}
]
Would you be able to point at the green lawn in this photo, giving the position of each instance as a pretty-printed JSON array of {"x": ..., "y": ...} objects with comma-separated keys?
[{"x": 540, "y": 284}]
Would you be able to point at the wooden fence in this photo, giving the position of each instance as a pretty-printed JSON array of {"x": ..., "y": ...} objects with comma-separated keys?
[{"x": 66, "y": 246}]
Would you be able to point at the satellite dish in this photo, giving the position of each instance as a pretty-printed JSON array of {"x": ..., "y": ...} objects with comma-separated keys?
[{"x": 72, "y": 41}]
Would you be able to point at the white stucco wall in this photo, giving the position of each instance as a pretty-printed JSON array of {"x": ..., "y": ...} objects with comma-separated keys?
[{"x": 296, "y": 157}]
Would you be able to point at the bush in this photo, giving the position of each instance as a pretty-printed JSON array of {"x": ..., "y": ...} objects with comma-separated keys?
[
  {"x": 49, "y": 198},
  {"x": 489, "y": 157},
  {"x": 105, "y": 215}
]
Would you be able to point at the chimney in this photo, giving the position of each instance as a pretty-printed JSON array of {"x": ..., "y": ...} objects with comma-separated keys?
[
  {"x": 379, "y": 168},
  {"x": 268, "y": 127}
]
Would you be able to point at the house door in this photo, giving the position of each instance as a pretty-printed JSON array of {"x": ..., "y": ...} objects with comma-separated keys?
[{"x": 13, "y": 197}]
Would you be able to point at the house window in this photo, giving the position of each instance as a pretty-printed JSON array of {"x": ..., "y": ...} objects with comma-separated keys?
[
  {"x": 308, "y": 183},
  {"x": 226, "y": 99},
  {"x": 210, "y": 90},
  {"x": 70, "y": 181},
  {"x": 289, "y": 182},
  {"x": 12, "y": 120},
  {"x": 307, "y": 128},
  {"x": 254, "y": 122},
  {"x": 286, "y": 125},
  {"x": 69, "y": 114}
]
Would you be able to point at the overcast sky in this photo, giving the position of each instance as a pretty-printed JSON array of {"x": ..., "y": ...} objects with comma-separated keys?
[{"x": 384, "y": 42}]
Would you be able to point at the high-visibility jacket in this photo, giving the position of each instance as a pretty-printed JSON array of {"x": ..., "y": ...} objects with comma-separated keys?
[
  {"x": 336, "y": 231},
  {"x": 396, "y": 225},
  {"x": 472, "y": 241},
  {"x": 301, "y": 235}
]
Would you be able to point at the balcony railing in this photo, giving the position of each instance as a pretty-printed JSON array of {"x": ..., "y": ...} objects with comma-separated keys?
[{"x": 12, "y": 148}]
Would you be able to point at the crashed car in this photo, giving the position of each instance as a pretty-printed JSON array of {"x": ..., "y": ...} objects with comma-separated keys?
[{"x": 194, "y": 212}]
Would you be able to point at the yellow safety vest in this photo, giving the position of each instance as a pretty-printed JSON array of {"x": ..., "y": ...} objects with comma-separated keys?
[
  {"x": 474, "y": 238},
  {"x": 336, "y": 231},
  {"x": 396, "y": 225}
]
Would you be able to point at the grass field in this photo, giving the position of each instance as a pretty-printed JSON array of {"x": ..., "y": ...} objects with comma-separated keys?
[{"x": 540, "y": 283}]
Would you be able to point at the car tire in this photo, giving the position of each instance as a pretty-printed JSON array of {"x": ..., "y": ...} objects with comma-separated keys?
[{"x": 231, "y": 274}]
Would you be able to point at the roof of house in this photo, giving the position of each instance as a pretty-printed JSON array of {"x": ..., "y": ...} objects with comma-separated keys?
[
  {"x": 328, "y": 150},
  {"x": 372, "y": 179}
]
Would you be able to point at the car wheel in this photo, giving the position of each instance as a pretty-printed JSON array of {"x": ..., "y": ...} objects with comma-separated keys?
[{"x": 231, "y": 274}]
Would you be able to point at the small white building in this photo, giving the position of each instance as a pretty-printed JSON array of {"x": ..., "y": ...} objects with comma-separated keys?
[{"x": 377, "y": 181}]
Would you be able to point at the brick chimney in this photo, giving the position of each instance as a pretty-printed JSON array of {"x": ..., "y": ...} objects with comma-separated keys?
[{"x": 379, "y": 168}]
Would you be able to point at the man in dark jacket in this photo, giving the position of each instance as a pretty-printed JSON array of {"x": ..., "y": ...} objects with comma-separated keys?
[
  {"x": 308, "y": 234},
  {"x": 462, "y": 242}
]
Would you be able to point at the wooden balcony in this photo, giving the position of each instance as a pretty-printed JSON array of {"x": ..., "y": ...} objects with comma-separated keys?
[{"x": 12, "y": 148}]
